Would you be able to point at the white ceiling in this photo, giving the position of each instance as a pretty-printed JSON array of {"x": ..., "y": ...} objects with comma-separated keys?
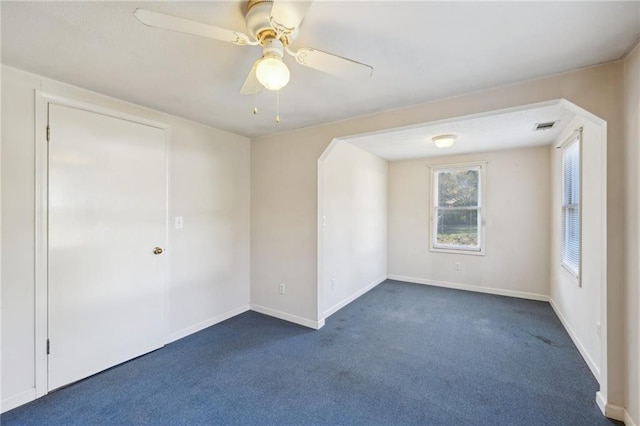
[
  {"x": 507, "y": 130},
  {"x": 420, "y": 51}
]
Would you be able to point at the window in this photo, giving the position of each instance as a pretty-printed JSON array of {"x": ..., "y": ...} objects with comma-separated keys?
[
  {"x": 457, "y": 208},
  {"x": 571, "y": 206}
]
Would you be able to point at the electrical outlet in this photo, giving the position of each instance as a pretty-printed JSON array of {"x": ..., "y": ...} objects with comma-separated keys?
[
  {"x": 333, "y": 283},
  {"x": 282, "y": 289},
  {"x": 457, "y": 266},
  {"x": 598, "y": 328}
]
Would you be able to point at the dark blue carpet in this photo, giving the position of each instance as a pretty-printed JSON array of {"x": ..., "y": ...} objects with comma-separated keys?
[{"x": 401, "y": 354}]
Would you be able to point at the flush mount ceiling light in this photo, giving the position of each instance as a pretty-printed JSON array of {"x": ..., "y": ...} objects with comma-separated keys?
[{"x": 444, "y": 141}]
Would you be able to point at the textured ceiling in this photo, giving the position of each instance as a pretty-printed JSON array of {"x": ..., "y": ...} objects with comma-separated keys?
[
  {"x": 420, "y": 51},
  {"x": 507, "y": 130}
]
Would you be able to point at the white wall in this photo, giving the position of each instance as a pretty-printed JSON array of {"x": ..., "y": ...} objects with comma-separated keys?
[
  {"x": 209, "y": 187},
  {"x": 284, "y": 192},
  {"x": 353, "y": 234},
  {"x": 632, "y": 296},
  {"x": 516, "y": 233},
  {"x": 578, "y": 304},
  {"x": 209, "y": 257}
]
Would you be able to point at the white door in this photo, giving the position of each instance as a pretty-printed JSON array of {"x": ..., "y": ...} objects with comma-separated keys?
[{"x": 107, "y": 213}]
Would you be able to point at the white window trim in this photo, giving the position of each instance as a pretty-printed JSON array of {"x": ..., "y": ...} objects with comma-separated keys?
[
  {"x": 575, "y": 137},
  {"x": 433, "y": 169}
]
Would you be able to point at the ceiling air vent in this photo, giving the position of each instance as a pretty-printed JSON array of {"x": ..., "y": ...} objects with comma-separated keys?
[{"x": 545, "y": 126}]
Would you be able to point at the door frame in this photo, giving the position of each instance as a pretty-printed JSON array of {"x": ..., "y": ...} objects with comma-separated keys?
[{"x": 41, "y": 266}]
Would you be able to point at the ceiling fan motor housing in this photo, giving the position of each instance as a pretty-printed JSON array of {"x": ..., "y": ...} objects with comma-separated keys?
[
  {"x": 273, "y": 47},
  {"x": 258, "y": 21}
]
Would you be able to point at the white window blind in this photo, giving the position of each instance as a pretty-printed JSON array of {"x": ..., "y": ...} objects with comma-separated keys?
[{"x": 571, "y": 207}]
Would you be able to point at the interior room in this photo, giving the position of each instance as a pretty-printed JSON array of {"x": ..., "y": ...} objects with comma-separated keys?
[{"x": 205, "y": 220}]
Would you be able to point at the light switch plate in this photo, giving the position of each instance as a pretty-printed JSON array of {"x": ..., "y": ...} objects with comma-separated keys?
[{"x": 179, "y": 222}]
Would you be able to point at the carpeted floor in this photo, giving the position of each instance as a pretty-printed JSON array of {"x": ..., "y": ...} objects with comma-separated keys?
[{"x": 401, "y": 354}]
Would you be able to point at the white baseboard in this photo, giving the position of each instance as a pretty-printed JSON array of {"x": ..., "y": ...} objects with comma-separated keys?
[
  {"x": 601, "y": 401},
  {"x": 576, "y": 341},
  {"x": 611, "y": 411},
  {"x": 477, "y": 289},
  {"x": 206, "y": 323},
  {"x": 352, "y": 297},
  {"x": 316, "y": 325},
  {"x": 614, "y": 412},
  {"x": 18, "y": 400}
]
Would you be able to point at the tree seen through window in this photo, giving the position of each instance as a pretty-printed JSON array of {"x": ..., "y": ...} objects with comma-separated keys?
[{"x": 457, "y": 209}]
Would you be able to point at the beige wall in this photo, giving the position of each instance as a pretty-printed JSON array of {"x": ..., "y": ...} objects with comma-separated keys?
[
  {"x": 284, "y": 190},
  {"x": 0, "y": 241},
  {"x": 209, "y": 257},
  {"x": 516, "y": 259},
  {"x": 284, "y": 224},
  {"x": 353, "y": 235},
  {"x": 577, "y": 302},
  {"x": 632, "y": 296}
]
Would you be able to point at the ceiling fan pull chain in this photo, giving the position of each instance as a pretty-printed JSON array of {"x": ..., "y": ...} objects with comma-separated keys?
[
  {"x": 255, "y": 96},
  {"x": 255, "y": 104},
  {"x": 277, "y": 106}
]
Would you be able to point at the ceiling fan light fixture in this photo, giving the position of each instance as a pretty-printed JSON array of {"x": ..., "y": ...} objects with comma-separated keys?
[
  {"x": 272, "y": 72},
  {"x": 444, "y": 141},
  {"x": 272, "y": 24}
]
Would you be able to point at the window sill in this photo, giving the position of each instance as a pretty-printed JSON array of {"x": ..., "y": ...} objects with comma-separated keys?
[
  {"x": 457, "y": 251},
  {"x": 575, "y": 275}
]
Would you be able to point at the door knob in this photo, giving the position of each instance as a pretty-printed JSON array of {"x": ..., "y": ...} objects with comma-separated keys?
[{"x": 157, "y": 250}]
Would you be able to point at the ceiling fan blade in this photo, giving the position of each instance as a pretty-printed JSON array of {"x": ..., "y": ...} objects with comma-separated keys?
[
  {"x": 173, "y": 23},
  {"x": 251, "y": 85},
  {"x": 286, "y": 15},
  {"x": 332, "y": 64}
]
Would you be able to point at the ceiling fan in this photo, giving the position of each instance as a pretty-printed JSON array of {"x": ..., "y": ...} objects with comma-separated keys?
[{"x": 274, "y": 25}]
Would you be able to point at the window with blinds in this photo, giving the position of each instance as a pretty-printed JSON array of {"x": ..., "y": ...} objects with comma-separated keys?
[
  {"x": 457, "y": 208},
  {"x": 571, "y": 207}
]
